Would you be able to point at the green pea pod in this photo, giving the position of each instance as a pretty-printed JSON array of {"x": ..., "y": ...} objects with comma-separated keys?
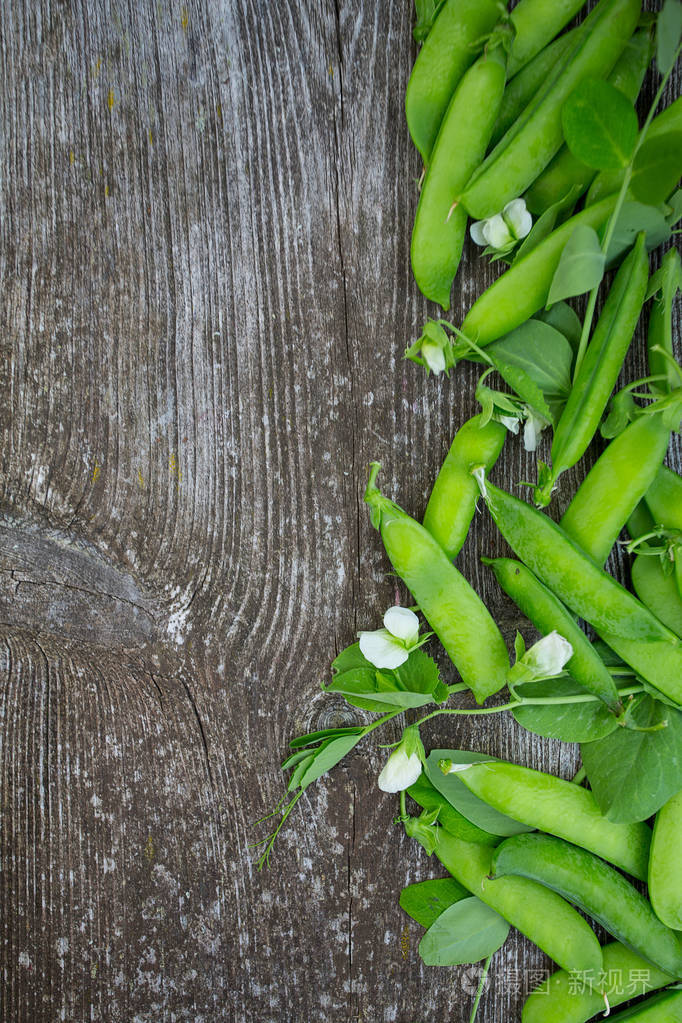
[
  {"x": 665, "y": 1007},
  {"x": 454, "y": 611},
  {"x": 523, "y": 289},
  {"x": 536, "y": 23},
  {"x": 550, "y": 923},
  {"x": 452, "y": 503},
  {"x": 625, "y": 624},
  {"x": 597, "y": 889},
  {"x": 429, "y": 798},
  {"x": 657, "y": 591},
  {"x": 665, "y": 890},
  {"x": 615, "y": 485},
  {"x": 439, "y": 229},
  {"x": 519, "y": 92},
  {"x": 547, "y": 613},
  {"x": 565, "y": 174},
  {"x": 561, "y": 808},
  {"x": 640, "y": 522},
  {"x": 450, "y": 48},
  {"x": 559, "y": 999},
  {"x": 600, "y": 367},
  {"x": 608, "y": 182},
  {"x": 526, "y": 149},
  {"x": 664, "y": 498},
  {"x": 660, "y": 334}
]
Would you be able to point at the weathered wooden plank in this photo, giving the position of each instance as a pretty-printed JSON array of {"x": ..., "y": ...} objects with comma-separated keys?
[{"x": 206, "y": 295}]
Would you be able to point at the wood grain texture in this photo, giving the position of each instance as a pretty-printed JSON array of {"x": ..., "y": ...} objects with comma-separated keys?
[{"x": 206, "y": 295}]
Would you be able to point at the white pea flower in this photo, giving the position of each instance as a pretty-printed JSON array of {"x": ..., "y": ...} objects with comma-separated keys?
[
  {"x": 404, "y": 765},
  {"x": 390, "y": 647},
  {"x": 548, "y": 656},
  {"x": 501, "y": 232},
  {"x": 532, "y": 428},
  {"x": 433, "y": 356},
  {"x": 400, "y": 771},
  {"x": 511, "y": 422}
]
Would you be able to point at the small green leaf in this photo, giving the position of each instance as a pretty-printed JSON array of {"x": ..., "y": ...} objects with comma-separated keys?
[
  {"x": 545, "y": 356},
  {"x": 300, "y": 770},
  {"x": 325, "y": 733},
  {"x": 459, "y": 796},
  {"x": 351, "y": 657},
  {"x": 568, "y": 722},
  {"x": 581, "y": 265},
  {"x": 622, "y": 411},
  {"x": 632, "y": 774},
  {"x": 668, "y": 32},
  {"x": 419, "y": 673},
  {"x": 519, "y": 646},
  {"x": 327, "y": 756},
  {"x": 657, "y": 168},
  {"x": 465, "y": 933},
  {"x": 564, "y": 319},
  {"x": 295, "y": 758},
  {"x": 633, "y": 218},
  {"x": 600, "y": 125},
  {"x": 426, "y": 900}
]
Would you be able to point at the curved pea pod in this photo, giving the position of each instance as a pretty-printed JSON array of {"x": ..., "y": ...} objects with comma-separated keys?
[
  {"x": 528, "y": 147},
  {"x": 523, "y": 289},
  {"x": 521, "y": 90},
  {"x": 550, "y": 923},
  {"x": 439, "y": 230},
  {"x": 597, "y": 889},
  {"x": 625, "y": 975},
  {"x": 429, "y": 798},
  {"x": 452, "y": 502},
  {"x": 547, "y": 613},
  {"x": 625, "y": 624},
  {"x": 615, "y": 485},
  {"x": 608, "y": 182},
  {"x": 599, "y": 369},
  {"x": 454, "y": 611},
  {"x": 660, "y": 333},
  {"x": 537, "y": 23},
  {"x": 657, "y": 591},
  {"x": 565, "y": 174},
  {"x": 561, "y": 808},
  {"x": 450, "y": 48},
  {"x": 665, "y": 886}
]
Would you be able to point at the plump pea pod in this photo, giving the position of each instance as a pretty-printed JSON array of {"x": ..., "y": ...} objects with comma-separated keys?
[
  {"x": 454, "y": 611},
  {"x": 450, "y": 48},
  {"x": 550, "y": 923},
  {"x": 525, "y": 151},
  {"x": 429, "y": 798},
  {"x": 657, "y": 591},
  {"x": 547, "y": 613},
  {"x": 452, "y": 503},
  {"x": 565, "y": 175},
  {"x": 519, "y": 92},
  {"x": 523, "y": 289},
  {"x": 599, "y": 370},
  {"x": 561, "y": 808},
  {"x": 597, "y": 889},
  {"x": 615, "y": 485},
  {"x": 559, "y": 999},
  {"x": 628, "y": 627},
  {"x": 537, "y": 23},
  {"x": 439, "y": 230},
  {"x": 665, "y": 1007},
  {"x": 665, "y": 889},
  {"x": 660, "y": 333},
  {"x": 608, "y": 182}
]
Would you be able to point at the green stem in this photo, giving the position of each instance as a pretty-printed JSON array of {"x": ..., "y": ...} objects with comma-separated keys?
[
  {"x": 579, "y": 777},
  {"x": 611, "y": 226},
  {"x": 403, "y": 804},
  {"x": 481, "y": 985},
  {"x": 264, "y": 859}
]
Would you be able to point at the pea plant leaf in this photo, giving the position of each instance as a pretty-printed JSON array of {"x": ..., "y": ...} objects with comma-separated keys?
[
  {"x": 569, "y": 722},
  {"x": 600, "y": 125},
  {"x": 581, "y": 265},
  {"x": 632, "y": 774},
  {"x": 657, "y": 168},
  {"x": 425, "y": 901},
  {"x": 545, "y": 356},
  {"x": 668, "y": 33},
  {"x": 327, "y": 756},
  {"x": 414, "y": 684},
  {"x": 459, "y": 796},
  {"x": 633, "y": 218},
  {"x": 466, "y": 932},
  {"x": 564, "y": 319},
  {"x": 312, "y": 738}
]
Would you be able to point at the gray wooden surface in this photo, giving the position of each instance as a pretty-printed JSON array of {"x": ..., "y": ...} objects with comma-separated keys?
[{"x": 206, "y": 293}]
